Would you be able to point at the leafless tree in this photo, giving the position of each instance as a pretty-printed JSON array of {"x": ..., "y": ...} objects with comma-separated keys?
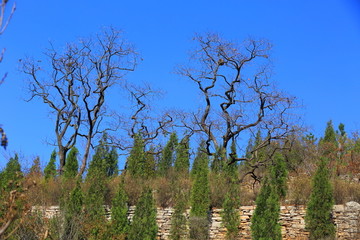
[
  {"x": 238, "y": 95},
  {"x": 3, "y": 25},
  {"x": 76, "y": 85}
]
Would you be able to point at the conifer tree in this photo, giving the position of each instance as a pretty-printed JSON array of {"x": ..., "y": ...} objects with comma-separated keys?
[
  {"x": 150, "y": 164},
  {"x": 168, "y": 155},
  {"x": 265, "y": 221},
  {"x": 200, "y": 155},
  {"x": 144, "y": 224},
  {"x": 330, "y": 135},
  {"x": 135, "y": 164},
  {"x": 12, "y": 174},
  {"x": 71, "y": 165},
  {"x": 318, "y": 213},
  {"x": 230, "y": 216},
  {"x": 119, "y": 209},
  {"x": 279, "y": 175},
  {"x": 200, "y": 197},
  {"x": 182, "y": 161},
  {"x": 178, "y": 229},
  {"x": 217, "y": 163},
  {"x": 50, "y": 169},
  {"x": 73, "y": 213},
  {"x": 104, "y": 159}
]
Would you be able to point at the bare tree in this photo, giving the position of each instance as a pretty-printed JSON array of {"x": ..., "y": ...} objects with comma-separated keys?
[
  {"x": 76, "y": 85},
  {"x": 3, "y": 25},
  {"x": 238, "y": 96}
]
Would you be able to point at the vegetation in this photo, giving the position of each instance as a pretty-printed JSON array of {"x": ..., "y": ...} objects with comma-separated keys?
[
  {"x": 144, "y": 224},
  {"x": 318, "y": 214}
]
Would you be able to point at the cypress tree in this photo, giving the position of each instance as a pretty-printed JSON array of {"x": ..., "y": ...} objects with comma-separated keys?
[
  {"x": 217, "y": 163},
  {"x": 71, "y": 165},
  {"x": 330, "y": 135},
  {"x": 73, "y": 213},
  {"x": 168, "y": 155},
  {"x": 200, "y": 198},
  {"x": 135, "y": 164},
  {"x": 144, "y": 224},
  {"x": 182, "y": 161},
  {"x": 12, "y": 174},
  {"x": 230, "y": 216},
  {"x": 265, "y": 221},
  {"x": 104, "y": 159},
  {"x": 318, "y": 213},
  {"x": 50, "y": 169},
  {"x": 178, "y": 219},
  {"x": 119, "y": 220}
]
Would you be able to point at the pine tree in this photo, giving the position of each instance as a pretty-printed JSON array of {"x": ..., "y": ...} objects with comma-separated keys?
[
  {"x": 182, "y": 161},
  {"x": 168, "y": 155},
  {"x": 71, "y": 165},
  {"x": 144, "y": 224},
  {"x": 318, "y": 213},
  {"x": 200, "y": 155},
  {"x": 200, "y": 198},
  {"x": 50, "y": 169},
  {"x": 120, "y": 223}
]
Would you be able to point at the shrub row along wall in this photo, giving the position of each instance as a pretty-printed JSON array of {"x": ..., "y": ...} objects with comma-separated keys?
[{"x": 346, "y": 218}]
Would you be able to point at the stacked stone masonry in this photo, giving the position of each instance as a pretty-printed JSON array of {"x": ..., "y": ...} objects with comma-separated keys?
[{"x": 346, "y": 219}]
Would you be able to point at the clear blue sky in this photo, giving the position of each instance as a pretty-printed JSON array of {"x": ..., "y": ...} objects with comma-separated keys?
[{"x": 316, "y": 53}]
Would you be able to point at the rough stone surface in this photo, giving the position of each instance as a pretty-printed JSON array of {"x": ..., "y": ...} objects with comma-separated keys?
[{"x": 346, "y": 219}]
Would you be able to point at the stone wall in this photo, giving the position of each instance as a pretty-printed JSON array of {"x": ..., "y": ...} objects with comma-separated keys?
[{"x": 346, "y": 219}]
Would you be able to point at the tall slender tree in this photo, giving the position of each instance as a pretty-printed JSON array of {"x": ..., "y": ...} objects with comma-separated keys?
[
  {"x": 50, "y": 169},
  {"x": 72, "y": 164},
  {"x": 318, "y": 213},
  {"x": 119, "y": 221},
  {"x": 168, "y": 155},
  {"x": 200, "y": 197},
  {"x": 182, "y": 161},
  {"x": 144, "y": 224}
]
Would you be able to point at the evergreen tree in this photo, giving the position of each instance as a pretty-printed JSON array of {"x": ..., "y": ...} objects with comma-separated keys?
[
  {"x": 217, "y": 163},
  {"x": 73, "y": 213},
  {"x": 318, "y": 214},
  {"x": 168, "y": 155},
  {"x": 71, "y": 165},
  {"x": 265, "y": 221},
  {"x": 279, "y": 175},
  {"x": 50, "y": 169},
  {"x": 230, "y": 216},
  {"x": 330, "y": 136},
  {"x": 200, "y": 198},
  {"x": 178, "y": 220},
  {"x": 182, "y": 161},
  {"x": 104, "y": 159},
  {"x": 135, "y": 164},
  {"x": 120, "y": 222},
  {"x": 11, "y": 177},
  {"x": 150, "y": 164},
  {"x": 144, "y": 224},
  {"x": 200, "y": 155}
]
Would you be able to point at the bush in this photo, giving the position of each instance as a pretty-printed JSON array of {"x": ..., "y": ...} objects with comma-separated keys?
[{"x": 199, "y": 228}]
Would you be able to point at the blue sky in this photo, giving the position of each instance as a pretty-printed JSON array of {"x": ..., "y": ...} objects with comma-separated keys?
[{"x": 316, "y": 53}]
